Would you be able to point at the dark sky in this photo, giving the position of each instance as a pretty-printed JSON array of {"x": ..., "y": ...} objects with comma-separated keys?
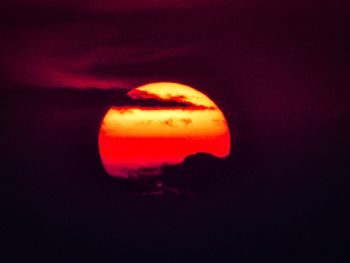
[
  {"x": 285, "y": 62},
  {"x": 124, "y": 43},
  {"x": 279, "y": 70}
]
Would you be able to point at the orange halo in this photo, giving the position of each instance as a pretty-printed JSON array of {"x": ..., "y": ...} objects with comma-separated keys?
[{"x": 135, "y": 140}]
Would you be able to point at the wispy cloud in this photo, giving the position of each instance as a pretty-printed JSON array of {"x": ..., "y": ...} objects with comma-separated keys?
[
  {"x": 186, "y": 121},
  {"x": 169, "y": 122}
]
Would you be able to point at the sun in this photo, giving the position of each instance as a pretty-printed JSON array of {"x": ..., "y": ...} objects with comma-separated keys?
[{"x": 136, "y": 140}]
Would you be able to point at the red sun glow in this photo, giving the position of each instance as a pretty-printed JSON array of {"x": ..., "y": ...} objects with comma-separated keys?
[{"x": 137, "y": 140}]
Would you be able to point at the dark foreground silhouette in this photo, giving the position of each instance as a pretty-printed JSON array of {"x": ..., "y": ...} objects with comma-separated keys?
[
  {"x": 261, "y": 201},
  {"x": 195, "y": 172}
]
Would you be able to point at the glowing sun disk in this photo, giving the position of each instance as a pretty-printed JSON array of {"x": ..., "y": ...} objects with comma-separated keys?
[{"x": 133, "y": 138}]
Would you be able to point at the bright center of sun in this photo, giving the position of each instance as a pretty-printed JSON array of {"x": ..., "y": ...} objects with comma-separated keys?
[{"x": 138, "y": 140}]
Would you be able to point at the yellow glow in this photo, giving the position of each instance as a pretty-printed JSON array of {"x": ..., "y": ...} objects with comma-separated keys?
[
  {"x": 191, "y": 121},
  {"x": 141, "y": 122}
]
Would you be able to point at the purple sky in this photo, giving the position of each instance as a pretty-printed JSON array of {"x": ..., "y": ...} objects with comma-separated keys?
[
  {"x": 124, "y": 43},
  {"x": 284, "y": 66}
]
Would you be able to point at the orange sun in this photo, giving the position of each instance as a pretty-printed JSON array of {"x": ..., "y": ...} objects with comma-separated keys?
[{"x": 139, "y": 140}]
